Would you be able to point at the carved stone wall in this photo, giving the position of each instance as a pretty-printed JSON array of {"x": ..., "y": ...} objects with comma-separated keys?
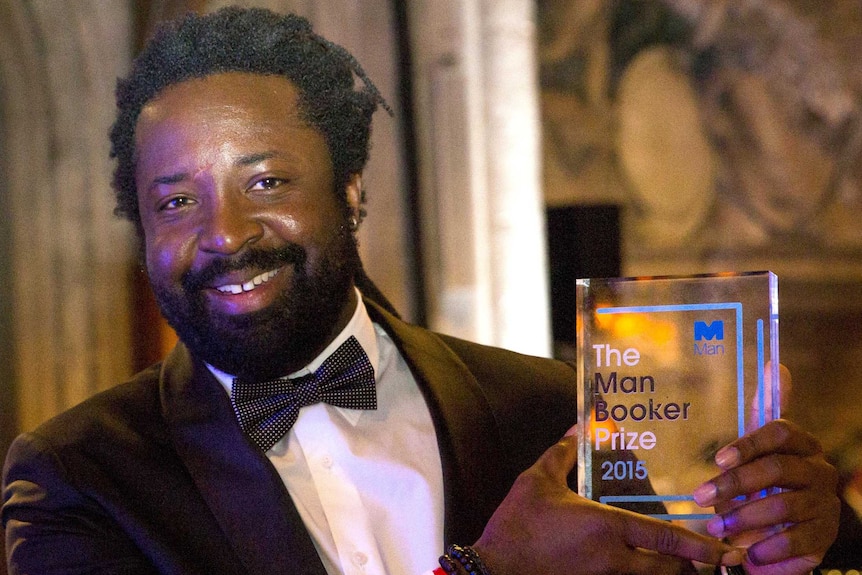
[{"x": 731, "y": 132}]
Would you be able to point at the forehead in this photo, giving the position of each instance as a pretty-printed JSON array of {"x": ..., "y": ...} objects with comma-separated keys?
[{"x": 220, "y": 110}]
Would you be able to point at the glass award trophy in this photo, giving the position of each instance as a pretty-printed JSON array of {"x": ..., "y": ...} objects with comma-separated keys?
[{"x": 670, "y": 369}]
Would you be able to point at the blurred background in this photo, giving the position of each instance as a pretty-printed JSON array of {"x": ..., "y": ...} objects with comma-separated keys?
[{"x": 533, "y": 142}]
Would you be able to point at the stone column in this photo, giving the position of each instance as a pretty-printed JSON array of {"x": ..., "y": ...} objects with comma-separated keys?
[{"x": 476, "y": 93}]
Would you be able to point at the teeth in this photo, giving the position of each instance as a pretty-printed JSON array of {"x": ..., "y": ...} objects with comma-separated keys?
[{"x": 249, "y": 285}]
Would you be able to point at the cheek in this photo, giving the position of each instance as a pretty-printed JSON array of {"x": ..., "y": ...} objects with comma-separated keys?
[
  {"x": 305, "y": 229},
  {"x": 167, "y": 260},
  {"x": 288, "y": 226}
]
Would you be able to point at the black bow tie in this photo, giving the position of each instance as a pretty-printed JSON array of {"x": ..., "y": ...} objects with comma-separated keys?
[{"x": 267, "y": 410}]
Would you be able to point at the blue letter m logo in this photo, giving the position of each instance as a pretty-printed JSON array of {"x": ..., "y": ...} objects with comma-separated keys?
[{"x": 702, "y": 331}]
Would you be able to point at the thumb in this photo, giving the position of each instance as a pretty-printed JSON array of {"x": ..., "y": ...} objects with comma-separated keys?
[{"x": 559, "y": 460}]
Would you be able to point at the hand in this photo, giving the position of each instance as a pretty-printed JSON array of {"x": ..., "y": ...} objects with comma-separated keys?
[
  {"x": 544, "y": 527},
  {"x": 787, "y": 532}
]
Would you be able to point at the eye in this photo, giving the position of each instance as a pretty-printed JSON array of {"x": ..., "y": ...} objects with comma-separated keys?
[
  {"x": 268, "y": 184},
  {"x": 176, "y": 203}
]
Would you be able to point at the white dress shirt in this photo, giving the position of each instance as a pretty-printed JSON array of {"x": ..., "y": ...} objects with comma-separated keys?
[{"x": 367, "y": 484}]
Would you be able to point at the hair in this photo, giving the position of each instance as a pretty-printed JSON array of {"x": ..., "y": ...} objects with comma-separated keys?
[{"x": 261, "y": 42}]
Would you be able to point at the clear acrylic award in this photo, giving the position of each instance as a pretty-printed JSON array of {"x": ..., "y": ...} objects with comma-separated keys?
[{"x": 670, "y": 369}]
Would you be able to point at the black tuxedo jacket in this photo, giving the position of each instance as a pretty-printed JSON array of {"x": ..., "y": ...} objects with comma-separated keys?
[{"x": 155, "y": 475}]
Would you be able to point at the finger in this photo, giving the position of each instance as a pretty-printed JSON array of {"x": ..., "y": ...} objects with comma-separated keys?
[
  {"x": 668, "y": 539},
  {"x": 783, "y": 471},
  {"x": 778, "y": 509},
  {"x": 779, "y": 436},
  {"x": 793, "y": 544},
  {"x": 559, "y": 460}
]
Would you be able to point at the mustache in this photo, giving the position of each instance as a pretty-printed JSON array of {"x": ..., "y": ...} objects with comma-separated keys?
[{"x": 289, "y": 254}]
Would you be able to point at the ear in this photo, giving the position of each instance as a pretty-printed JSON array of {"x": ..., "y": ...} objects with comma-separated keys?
[{"x": 353, "y": 195}]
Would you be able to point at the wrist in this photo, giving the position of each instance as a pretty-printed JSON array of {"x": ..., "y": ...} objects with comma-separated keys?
[{"x": 462, "y": 560}]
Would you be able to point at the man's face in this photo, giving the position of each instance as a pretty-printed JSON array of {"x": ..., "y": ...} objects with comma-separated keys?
[{"x": 248, "y": 249}]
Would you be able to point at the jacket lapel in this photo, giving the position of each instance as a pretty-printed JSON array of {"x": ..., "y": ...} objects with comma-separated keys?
[
  {"x": 467, "y": 433},
  {"x": 239, "y": 484}
]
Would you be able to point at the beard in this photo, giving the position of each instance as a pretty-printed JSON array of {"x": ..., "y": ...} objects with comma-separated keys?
[{"x": 279, "y": 339}]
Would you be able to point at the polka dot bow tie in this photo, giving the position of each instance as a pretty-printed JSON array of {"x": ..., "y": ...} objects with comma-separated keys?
[{"x": 267, "y": 410}]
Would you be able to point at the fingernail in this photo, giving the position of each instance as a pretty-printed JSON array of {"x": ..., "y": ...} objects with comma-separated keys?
[
  {"x": 715, "y": 526},
  {"x": 727, "y": 457},
  {"x": 705, "y": 494},
  {"x": 733, "y": 557}
]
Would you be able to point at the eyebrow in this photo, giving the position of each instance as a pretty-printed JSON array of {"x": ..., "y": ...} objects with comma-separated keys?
[
  {"x": 252, "y": 159},
  {"x": 169, "y": 179}
]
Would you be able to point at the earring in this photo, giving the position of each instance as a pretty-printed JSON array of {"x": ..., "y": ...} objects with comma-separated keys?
[{"x": 354, "y": 223}]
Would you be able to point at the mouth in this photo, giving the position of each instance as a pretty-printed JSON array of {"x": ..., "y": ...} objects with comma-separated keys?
[{"x": 248, "y": 286}]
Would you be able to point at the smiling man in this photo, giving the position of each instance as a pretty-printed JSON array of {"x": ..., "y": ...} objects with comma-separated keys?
[
  {"x": 300, "y": 426},
  {"x": 250, "y": 253}
]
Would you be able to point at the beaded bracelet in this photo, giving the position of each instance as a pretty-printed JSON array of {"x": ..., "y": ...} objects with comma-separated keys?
[
  {"x": 464, "y": 559},
  {"x": 739, "y": 570}
]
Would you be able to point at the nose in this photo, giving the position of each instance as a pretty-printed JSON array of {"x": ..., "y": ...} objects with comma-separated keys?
[{"x": 228, "y": 227}]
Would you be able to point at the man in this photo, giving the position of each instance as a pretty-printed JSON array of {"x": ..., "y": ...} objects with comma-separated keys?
[{"x": 240, "y": 141}]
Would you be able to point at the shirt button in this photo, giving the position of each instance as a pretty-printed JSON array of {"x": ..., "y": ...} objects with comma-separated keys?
[
  {"x": 326, "y": 461},
  {"x": 360, "y": 558}
]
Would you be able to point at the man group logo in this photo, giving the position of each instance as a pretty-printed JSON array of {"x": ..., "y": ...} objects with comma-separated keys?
[{"x": 711, "y": 331}]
